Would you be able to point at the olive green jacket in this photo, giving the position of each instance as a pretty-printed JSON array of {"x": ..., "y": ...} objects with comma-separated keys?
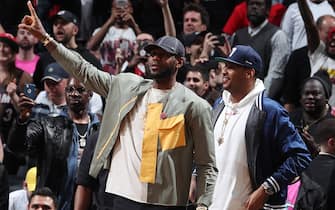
[{"x": 174, "y": 164}]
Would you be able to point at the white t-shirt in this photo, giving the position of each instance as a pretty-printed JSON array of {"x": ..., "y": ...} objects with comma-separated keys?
[
  {"x": 123, "y": 178},
  {"x": 115, "y": 38}
]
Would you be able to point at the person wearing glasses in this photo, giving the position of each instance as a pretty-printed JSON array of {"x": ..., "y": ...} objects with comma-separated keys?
[
  {"x": 56, "y": 141},
  {"x": 152, "y": 130}
]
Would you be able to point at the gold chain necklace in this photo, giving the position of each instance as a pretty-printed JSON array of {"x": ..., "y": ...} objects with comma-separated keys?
[
  {"x": 306, "y": 126},
  {"x": 227, "y": 115}
]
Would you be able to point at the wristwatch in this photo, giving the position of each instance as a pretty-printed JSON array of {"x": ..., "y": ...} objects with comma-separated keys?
[
  {"x": 268, "y": 189},
  {"x": 46, "y": 39}
]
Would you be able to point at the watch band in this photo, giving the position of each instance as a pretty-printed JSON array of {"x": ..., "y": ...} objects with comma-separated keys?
[
  {"x": 268, "y": 188},
  {"x": 46, "y": 39}
]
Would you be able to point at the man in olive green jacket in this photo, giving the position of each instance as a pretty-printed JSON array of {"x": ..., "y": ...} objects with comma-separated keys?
[{"x": 152, "y": 130}]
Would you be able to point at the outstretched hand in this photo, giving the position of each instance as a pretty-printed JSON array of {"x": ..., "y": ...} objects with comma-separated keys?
[{"x": 32, "y": 23}]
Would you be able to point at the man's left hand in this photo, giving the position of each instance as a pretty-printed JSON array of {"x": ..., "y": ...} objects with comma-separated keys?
[{"x": 257, "y": 199}]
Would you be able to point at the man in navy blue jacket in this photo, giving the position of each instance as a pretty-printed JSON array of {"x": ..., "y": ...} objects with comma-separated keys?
[{"x": 258, "y": 150}]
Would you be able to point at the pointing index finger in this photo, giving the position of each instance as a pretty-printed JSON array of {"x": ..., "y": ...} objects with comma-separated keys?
[{"x": 31, "y": 9}]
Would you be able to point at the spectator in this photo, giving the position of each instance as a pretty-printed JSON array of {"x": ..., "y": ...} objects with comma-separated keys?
[
  {"x": 315, "y": 94},
  {"x": 118, "y": 32},
  {"x": 195, "y": 19},
  {"x": 47, "y": 9},
  {"x": 52, "y": 99},
  {"x": 293, "y": 24},
  {"x": 137, "y": 64},
  {"x": 56, "y": 141},
  {"x": 321, "y": 55},
  {"x": 269, "y": 41},
  {"x": 11, "y": 80},
  {"x": 65, "y": 28},
  {"x": 238, "y": 18},
  {"x": 144, "y": 180},
  {"x": 197, "y": 79},
  {"x": 19, "y": 199},
  {"x": 42, "y": 198},
  {"x": 26, "y": 59},
  {"x": 317, "y": 189},
  {"x": 258, "y": 150},
  {"x": 91, "y": 14},
  {"x": 298, "y": 67},
  {"x": 194, "y": 45}
]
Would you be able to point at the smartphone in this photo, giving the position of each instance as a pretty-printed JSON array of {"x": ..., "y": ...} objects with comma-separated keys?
[
  {"x": 121, "y": 3},
  {"x": 29, "y": 90}
]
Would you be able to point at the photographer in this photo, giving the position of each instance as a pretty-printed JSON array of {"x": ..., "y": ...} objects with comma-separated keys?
[
  {"x": 137, "y": 63},
  {"x": 214, "y": 45}
]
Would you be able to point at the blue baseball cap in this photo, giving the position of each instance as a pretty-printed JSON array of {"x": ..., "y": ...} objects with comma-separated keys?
[
  {"x": 169, "y": 44},
  {"x": 55, "y": 72},
  {"x": 244, "y": 56}
]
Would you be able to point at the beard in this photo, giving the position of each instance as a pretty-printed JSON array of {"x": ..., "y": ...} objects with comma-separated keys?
[
  {"x": 26, "y": 47},
  {"x": 65, "y": 40},
  {"x": 159, "y": 75},
  {"x": 256, "y": 20},
  {"x": 77, "y": 108}
]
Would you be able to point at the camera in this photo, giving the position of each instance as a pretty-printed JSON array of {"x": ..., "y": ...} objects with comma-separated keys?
[{"x": 221, "y": 39}]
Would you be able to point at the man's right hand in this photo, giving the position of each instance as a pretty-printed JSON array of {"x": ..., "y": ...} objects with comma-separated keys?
[{"x": 33, "y": 24}]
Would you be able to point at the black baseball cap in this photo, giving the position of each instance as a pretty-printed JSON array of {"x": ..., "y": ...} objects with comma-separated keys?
[
  {"x": 169, "y": 44},
  {"x": 67, "y": 16},
  {"x": 55, "y": 72}
]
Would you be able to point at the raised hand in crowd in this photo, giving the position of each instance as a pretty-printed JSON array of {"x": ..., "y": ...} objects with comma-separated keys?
[
  {"x": 169, "y": 25},
  {"x": 33, "y": 24},
  {"x": 11, "y": 90},
  {"x": 129, "y": 19},
  {"x": 210, "y": 41},
  {"x": 25, "y": 106}
]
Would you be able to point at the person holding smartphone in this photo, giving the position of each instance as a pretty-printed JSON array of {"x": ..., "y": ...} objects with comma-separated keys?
[
  {"x": 12, "y": 81},
  {"x": 118, "y": 33}
]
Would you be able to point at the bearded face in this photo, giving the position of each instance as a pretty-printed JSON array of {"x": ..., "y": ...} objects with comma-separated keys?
[{"x": 257, "y": 12}]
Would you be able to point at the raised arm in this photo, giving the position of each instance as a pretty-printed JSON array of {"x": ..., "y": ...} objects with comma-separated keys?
[
  {"x": 169, "y": 25},
  {"x": 98, "y": 36},
  {"x": 312, "y": 33},
  {"x": 72, "y": 62}
]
